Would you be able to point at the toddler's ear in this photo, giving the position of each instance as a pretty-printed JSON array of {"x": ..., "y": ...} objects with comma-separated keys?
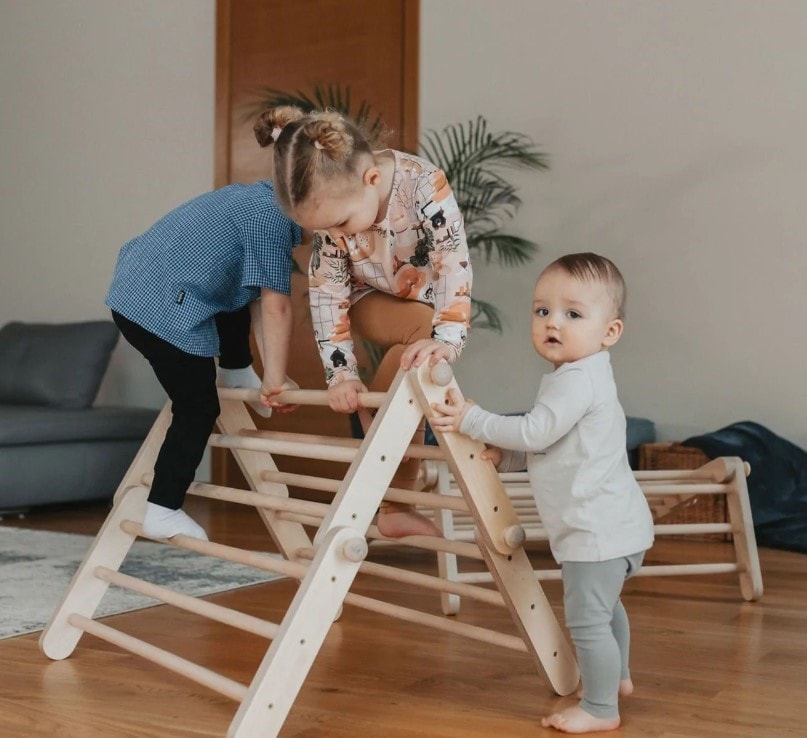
[{"x": 612, "y": 333}]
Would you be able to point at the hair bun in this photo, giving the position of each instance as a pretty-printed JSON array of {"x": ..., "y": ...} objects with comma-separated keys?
[
  {"x": 273, "y": 120},
  {"x": 329, "y": 133}
]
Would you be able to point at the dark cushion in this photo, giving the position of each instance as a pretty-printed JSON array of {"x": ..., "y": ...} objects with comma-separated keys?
[
  {"x": 640, "y": 431},
  {"x": 22, "y": 425},
  {"x": 58, "y": 365}
]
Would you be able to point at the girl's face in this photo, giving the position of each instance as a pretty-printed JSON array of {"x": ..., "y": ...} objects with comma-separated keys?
[
  {"x": 343, "y": 207},
  {"x": 572, "y": 319}
]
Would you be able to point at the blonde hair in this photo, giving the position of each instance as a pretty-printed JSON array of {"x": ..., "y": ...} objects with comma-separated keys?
[
  {"x": 309, "y": 149},
  {"x": 589, "y": 267}
]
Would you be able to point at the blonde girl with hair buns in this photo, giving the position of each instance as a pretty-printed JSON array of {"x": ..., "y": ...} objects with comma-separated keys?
[{"x": 390, "y": 261}]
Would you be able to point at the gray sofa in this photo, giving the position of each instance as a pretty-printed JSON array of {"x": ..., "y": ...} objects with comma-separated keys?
[{"x": 55, "y": 446}]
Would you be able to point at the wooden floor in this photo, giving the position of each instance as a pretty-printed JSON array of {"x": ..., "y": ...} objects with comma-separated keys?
[{"x": 705, "y": 663}]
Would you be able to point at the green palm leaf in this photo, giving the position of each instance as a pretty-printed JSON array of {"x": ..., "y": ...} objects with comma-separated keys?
[
  {"x": 322, "y": 97},
  {"x": 472, "y": 158},
  {"x": 485, "y": 315},
  {"x": 510, "y": 250}
]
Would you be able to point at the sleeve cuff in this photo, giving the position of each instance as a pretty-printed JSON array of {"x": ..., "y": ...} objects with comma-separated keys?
[
  {"x": 344, "y": 375},
  {"x": 470, "y": 420}
]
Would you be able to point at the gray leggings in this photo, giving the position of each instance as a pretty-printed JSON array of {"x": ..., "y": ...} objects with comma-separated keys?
[{"x": 599, "y": 627}]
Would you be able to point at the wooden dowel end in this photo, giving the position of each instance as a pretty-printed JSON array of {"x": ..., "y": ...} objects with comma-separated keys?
[
  {"x": 514, "y": 536},
  {"x": 355, "y": 549},
  {"x": 441, "y": 374}
]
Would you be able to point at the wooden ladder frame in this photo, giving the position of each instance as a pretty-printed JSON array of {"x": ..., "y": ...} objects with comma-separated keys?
[
  {"x": 327, "y": 566},
  {"x": 722, "y": 476}
]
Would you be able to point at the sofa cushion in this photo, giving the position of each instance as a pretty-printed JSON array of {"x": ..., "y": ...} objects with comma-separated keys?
[
  {"x": 639, "y": 431},
  {"x": 24, "y": 425},
  {"x": 58, "y": 365}
]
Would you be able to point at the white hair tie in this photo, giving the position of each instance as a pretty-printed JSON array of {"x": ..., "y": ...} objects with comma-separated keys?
[
  {"x": 318, "y": 145},
  {"x": 276, "y": 131}
]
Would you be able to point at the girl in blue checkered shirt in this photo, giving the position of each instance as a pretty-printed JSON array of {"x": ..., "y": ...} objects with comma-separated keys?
[{"x": 181, "y": 295}]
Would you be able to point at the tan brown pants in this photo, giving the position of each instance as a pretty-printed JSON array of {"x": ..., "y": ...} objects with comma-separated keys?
[{"x": 393, "y": 324}]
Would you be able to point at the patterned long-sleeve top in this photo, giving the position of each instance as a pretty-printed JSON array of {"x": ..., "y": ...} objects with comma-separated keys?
[{"x": 418, "y": 252}]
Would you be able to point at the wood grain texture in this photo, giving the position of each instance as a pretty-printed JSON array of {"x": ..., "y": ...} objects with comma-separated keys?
[
  {"x": 705, "y": 664},
  {"x": 370, "y": 46}
]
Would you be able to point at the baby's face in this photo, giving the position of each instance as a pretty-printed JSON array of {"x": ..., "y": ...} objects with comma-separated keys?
[{"x": 572, "y": 319}]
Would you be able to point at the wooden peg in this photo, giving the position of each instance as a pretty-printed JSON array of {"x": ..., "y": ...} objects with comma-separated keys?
[
  {"x": 355, "y": 549},
  {"x": 441, "y": 374},
  {"x": 514, "y": 536}
]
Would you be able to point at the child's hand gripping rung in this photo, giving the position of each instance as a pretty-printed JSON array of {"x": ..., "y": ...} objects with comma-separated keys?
[{"x": 478, "y": 479}]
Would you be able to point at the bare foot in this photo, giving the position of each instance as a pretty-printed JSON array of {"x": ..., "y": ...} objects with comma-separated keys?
[
  {"x": 577, "y": 720},
  {"x": 625, "y": 688},
  {"x": 405, "y": 523}
]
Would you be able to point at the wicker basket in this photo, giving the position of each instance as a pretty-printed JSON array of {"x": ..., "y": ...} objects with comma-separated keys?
[{"x": 697, "y": 509}]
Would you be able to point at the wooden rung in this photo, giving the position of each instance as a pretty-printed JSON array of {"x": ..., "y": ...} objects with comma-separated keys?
[
  {"x": 427, "y": 543},
  {"x": 437, "y": 622},
  {"x": 259, "y": 499},
  {"x": 166, "y": 659},
  {"x": 524, "y": 518},
  {"x": 322, "y": 484},
  {"x": 413, "y": 450},
  {"x": 662, "y": 486},
  {"x": 303, "y": 449},
  {"x": 536, "y": 532},
  {"x": 206, "y": 609},
  {"x": 393, "y": 573},
  {"x": 682, "y": 529},
  {"x": 651, "y": 490},
  {"x": 671, "y": 570},
  {"x": 299, "y": 397},
  {"x": 310, "y": 520},
  {"x": 284, "y": 448},
  {"x": 705, "y": 474},
  {"x": 653, "y": 570},
  {"x": 254, "y": 559},
  {"x": 430, "y": 543},
  {"x": 715, "y": 471}
]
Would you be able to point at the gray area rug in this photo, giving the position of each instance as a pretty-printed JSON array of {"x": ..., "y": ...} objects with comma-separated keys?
[{"x": 36, "y": 567}]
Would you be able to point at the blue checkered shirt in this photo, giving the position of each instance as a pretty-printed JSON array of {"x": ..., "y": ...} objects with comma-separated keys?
[{"x": 208, "y": 256}]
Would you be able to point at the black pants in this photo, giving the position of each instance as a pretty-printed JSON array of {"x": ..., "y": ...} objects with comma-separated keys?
[
  {"x": 233, "y": 331},
  {"x": 190, "y": 382}
]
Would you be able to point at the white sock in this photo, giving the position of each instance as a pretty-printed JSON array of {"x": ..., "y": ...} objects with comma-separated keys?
[
  {"x": 163, "y": 522},
  {"x": 247, "y": 378}
]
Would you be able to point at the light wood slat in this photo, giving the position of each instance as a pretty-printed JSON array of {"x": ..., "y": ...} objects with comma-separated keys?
[
  {"x": 195, "y": 605},
  {"x": 166, "y": 659},
  {"x": 299, "y": 397}
]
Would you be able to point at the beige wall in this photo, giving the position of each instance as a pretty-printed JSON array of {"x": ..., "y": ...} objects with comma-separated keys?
[
  {"x": 106, "y": 123},
  {"x": 677, "y": 132}
]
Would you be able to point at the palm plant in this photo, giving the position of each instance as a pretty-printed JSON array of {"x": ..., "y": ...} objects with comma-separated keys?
[{"x": 472, "y": 158}]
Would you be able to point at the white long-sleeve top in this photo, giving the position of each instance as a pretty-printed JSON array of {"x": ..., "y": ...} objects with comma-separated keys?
[{"x": 573, "y": 446}]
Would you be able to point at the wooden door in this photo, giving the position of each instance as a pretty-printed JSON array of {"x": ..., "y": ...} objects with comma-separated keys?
[{"x": 371, "y": 46}]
